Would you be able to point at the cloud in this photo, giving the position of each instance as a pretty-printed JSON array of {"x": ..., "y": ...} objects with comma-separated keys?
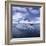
[
  {"x": 31, "y": 22},
  {"x": 23, "y": 18},
  {"x": 35, "y": 11},
  {"x": 24, "y": 10},
  {"x": 36, "y": 20},
  {"x": 30, "y": 8},
  {"x": 19, "y": 17},
  {"x": 24, "y": 26},
  {"x": 19, "y": 9}
]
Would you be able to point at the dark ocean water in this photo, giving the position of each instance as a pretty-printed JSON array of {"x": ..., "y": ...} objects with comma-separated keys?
[{"x": 25, "y": 30}]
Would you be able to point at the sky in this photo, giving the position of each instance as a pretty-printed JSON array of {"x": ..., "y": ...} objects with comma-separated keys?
[
  {"x": 25, "y": 14},
  {"x": 23, "y": 17}
]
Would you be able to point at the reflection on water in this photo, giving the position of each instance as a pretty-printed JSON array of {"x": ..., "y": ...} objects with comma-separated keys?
[{"x": 23, "y": 30}]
